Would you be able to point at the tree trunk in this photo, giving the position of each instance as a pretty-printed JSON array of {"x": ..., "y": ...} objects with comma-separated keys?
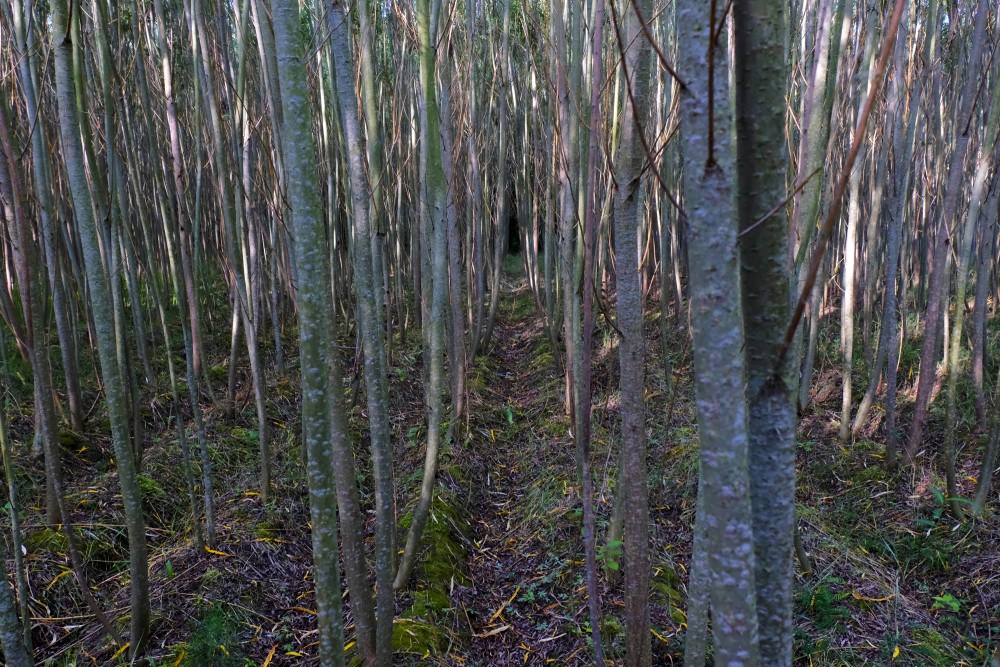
[
  {"x": 720, "y": 398},
  {"x": 760, "y": 28}
]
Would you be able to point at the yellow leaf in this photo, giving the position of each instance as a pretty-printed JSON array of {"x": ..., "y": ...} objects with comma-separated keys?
[
  {"x": 57, "y": 578},
  {"x": 500, "y": 610},
  {"x": 494, "y": 631},
  {"x": 294, "y": 654},
  {"x": 308, "y": 611},
  {"x": 859, "y": 596},
  {"x": 216, "y": 552},
  {"x": 179, "y": 658},
  {"x": 658, "y": 636},
  {"x": 120, "y": 651},
  {"x": 267, "y": 660},
  {"x": 895, "y": 653}
]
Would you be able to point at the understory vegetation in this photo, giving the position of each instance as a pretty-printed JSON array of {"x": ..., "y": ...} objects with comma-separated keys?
[{"x": 893, "y": 580}]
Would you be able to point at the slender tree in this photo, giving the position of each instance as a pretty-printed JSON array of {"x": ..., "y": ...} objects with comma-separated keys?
[
  {"x": 761, "y": 28},
  {"x": 63, "y": 35},
  {"x": 720, "y": 395},
  {"x": 312, "y": 255},
  {"x": 628, "y": 214}
]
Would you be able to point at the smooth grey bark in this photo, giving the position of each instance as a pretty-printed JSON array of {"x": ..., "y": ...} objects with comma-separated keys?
[
  {"x": 313, "y": 294},
  {"x": 897, "y": 124},
  {"x": 376, "y": 169},
  {"x": 20, "y": 571},
  {"x": 477, "y": 268},
  {"x": 456, "y": 341},
  {"x": 188, "y": 301},
  {"x": 11, "y": 632},
  {"x": 761, "y": 28},
  {"x": 436, "y": 197},
  {"x": 812, "y": 155},
  {"x": 41, "y": 172},
  {"x": 583, "y": 311},
  {"x": 718, "y": 342},
  {"x": 80, "y": 189},
  {"x": 976, "y": 196},
  {"x": 233, "y": 231},
  {"x": 902, "y": 149},
  {"x": 987, "y": 245},
  {"x": 849, "y": 275},
  {"x": 371, "y": 332},
  {"x": 984, "y": 484},
  {"x": 502, "y": 206},
  {"x": 567, "y": 84},
  {"x": 696, "y": 634},
  {"x": 31, "y": 332},
  {"x": 943, "y": 239}
]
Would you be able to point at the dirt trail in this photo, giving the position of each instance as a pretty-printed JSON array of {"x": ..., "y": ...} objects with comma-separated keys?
[{"x": 524, "y": 605}]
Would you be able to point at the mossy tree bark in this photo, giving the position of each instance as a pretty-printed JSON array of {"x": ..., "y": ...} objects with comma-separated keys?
[
  {"x": 313, "y": 295},
  {"x": 436, "y": 192},
  {"x": 369, "y": 315},
  {"x": 100, "y": 306}
]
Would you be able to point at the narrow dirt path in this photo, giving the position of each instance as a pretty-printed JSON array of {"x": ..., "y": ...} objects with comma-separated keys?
[{"x": 524, "y": 605}]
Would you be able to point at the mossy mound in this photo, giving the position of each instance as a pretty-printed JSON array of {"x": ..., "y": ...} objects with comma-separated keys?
[{"x": 425, "y": 628}]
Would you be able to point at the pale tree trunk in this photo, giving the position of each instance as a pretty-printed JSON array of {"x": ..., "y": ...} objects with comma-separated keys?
[
  {"x": 372, "y": 336},
  {"x": 984, "y": 265},
  {"x": 502, "y": 206},
  {"x": 456, "y": 345},
  {"x": 312, "y": 255},
  {"x": 567, "y": 85},
  {"x": 979, "y": 183},
  {"x": 80, "y": 189},
  {"x": 985, "y": 482},
  {"x": 710, "y": 174},
  {"x": 849, "y": 276},
  {"x": 14, "y": 651},
  {"x": 41, "y": 171},
  {"x": 902, "y": 149},
  {"x": 584, "y": 309},
  {"x": 943, "y": 240},
  {"x": 436, "y": 192},
  {"x": 20, "y": 571},
  {"x": 812, "y": 156},
  {"x": 31, "y": 334},
  {"x": 233, "y": 224}
]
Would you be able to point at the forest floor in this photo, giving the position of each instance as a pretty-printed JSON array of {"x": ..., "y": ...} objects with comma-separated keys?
[{"x": 894, "y": 581}]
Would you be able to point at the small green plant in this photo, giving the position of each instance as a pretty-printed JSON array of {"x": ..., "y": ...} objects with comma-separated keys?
[
  {"x": 211, "y": 576},
  {"x": 823, "y": 604},
  {"x": 150, "y": 489},
  {"x": 215, "y": 641},
  {"x": 947, "y": 602},
  {"x": 610, "y": 555},
  {"x": 508, "y": 412}
]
